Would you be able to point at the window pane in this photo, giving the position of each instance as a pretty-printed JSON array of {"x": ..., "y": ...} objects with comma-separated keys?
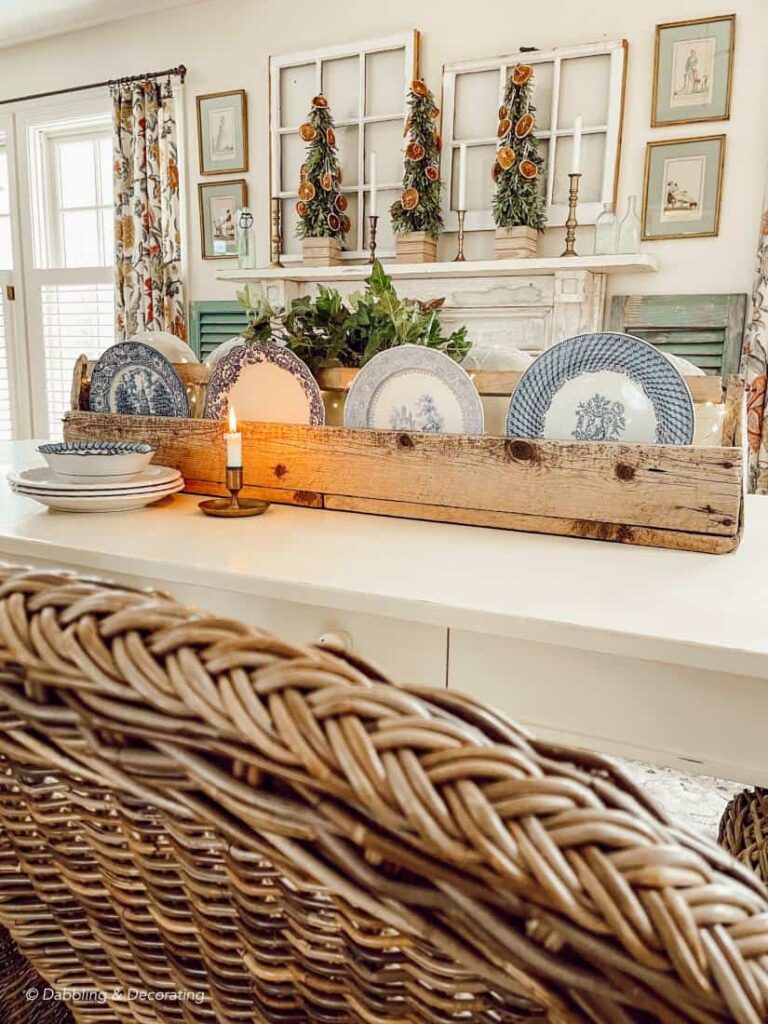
[
  {"x": 297, "y": 87},
  {"x": 385, "y": 82},
  {"x": 105, "y": 167},
  {"x": 341, "y": 86},
  {"x": 80, "y": 236},
  {"x": 480, "y": 161},
  {"x": 291, "y": 244},
  {"x": 476, "y": 105},
  {"x": 77, "y": 319},
  {"x": 6, "y": 252},
  {"x": 346, "y": 140},
  {"x": 542, "y": 95},
  {"x": 292, "y": 155},
  {"x": 351, "y": 237},
  {"x": 592, "y": 158},
  {"x": 584, "y": 89},
  {"x": 4, "y": 193},
  {"x": 5, "y": 394},
  {"x": 385, "y": 238},
  {"x": 107, "y": 235},
  {"x": 385, "y": 139},
  {"x": 77, "y": 175}
]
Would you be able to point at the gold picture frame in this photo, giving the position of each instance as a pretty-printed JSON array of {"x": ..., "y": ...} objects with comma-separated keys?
[
  {"x": 231, "y": 109},
  {"x": 727, "y": 21},
  {"x": 235, "y": 189},
  {"x": 676, "y": 148}
]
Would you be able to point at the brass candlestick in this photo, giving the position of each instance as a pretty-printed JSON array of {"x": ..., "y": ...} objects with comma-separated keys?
[
  {"x": 233, "y": 507},
  {"x": 571, "y": 224},
  {"x": 275, "y": 233},
  {"x": 460, "y": 257},
  {"x": 373, "y": 220}
]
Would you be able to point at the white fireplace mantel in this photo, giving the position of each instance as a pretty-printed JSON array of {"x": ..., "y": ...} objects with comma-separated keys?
[{"x": 531, "y": 303}]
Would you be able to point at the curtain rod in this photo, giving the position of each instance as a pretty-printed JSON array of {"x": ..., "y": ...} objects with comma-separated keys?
[{"x": 180, "y": 71}]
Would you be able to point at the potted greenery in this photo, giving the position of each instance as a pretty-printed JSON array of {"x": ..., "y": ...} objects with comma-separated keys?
[
  {"x": 321, "y": 207},
  {"x": 518, "y": 204},
  {"x": 416, "y": 216}
]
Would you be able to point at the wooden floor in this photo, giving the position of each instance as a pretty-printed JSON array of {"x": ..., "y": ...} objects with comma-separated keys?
[{"x": 697, "y": 801}]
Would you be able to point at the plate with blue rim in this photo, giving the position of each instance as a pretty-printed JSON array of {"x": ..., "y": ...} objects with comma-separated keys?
[
  {"x": 135, "y": 379},
  {"x": 414, "y": 388},
  {"x": 266, "y": 383},
  {"x": 602, "y": 387}
]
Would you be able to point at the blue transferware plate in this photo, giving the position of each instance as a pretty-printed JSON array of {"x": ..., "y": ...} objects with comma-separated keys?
[
  {"x": 266, "y": 383},
  {"x": 416, "y": 388},
  {"x": 602, "y": 387},
  {"x": 136, "y": 380}
]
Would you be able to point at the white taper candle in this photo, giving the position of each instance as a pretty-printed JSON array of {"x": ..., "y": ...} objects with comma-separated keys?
[
  {"x": 372, "y": 182},
  {"x": 463, "y": 176},
  {"x": 576, "y": 161}
]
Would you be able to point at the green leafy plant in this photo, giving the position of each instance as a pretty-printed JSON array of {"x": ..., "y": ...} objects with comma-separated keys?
[{"x": 324, "y": 331}]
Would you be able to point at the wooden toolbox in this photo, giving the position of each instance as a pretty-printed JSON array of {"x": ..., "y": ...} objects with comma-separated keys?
[{"x": 689, "y": 498}]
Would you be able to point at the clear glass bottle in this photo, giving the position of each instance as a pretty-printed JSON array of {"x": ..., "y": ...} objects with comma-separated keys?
[
  {"x": 629, "y": 229},
  {"x": 607, "y": 232},
  {"x": 246, "y": 240}
]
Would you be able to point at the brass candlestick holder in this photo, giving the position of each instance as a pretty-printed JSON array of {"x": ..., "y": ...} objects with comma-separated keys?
[
  {"x": 460, "y": 257},
  {"x": 233, "y": 507},
  {"x": 275, "y": 233},
  {"x": 373, "y": 220},
  {"x": 571, "y": 224}
]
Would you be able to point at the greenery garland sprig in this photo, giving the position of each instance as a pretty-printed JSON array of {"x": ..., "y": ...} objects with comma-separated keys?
[
  {"x": 418, "y": 206},
  {"x": 518, "y": 201},
  {"x": 325, "y": 331}
]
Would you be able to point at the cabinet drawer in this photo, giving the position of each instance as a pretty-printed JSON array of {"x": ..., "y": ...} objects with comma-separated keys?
[
  {"x": 677, "y": 715},
  {"x": 406, "y": 651}
]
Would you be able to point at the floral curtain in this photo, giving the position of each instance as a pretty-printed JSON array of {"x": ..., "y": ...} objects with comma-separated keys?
[
  {"x": 148, "y": 287},
  {"x": 754, "y": 367}
]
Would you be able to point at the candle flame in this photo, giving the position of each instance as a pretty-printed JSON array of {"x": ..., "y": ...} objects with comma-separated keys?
[{"x": 232, "y": 420}]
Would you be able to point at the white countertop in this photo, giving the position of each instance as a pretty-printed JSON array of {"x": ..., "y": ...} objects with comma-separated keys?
[{"x": 710, "y": 611}]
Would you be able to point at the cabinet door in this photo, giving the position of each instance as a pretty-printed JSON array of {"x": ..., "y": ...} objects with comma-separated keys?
[
  {"x": 682, "y": 716},
  {"x": 407, "y": 652}
]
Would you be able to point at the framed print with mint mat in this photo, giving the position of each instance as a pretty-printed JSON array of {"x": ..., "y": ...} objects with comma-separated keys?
[
  {"x": 682, "y": 187},
  {"x": 692, "y": 71}
]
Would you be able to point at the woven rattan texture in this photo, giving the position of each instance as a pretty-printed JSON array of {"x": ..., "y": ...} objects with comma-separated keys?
[
  {"x": 189, "y": 805},
  {"x": 744, "y": 830}
]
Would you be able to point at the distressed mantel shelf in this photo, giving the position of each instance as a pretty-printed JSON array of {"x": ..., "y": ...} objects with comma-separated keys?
[
  {"x": 527, "y": 303},
  {"x": 637, "y": 264}
]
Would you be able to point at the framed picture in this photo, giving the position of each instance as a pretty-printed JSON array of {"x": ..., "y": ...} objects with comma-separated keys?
[
  {"x": 692, "y": 71},
  {"x": 682, "y": 187},
  {"x": 219, "y": 203},
  {"x": 222, "y": 132}
]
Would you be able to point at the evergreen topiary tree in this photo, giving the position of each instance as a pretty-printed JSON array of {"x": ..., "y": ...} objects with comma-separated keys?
[
  {"x": 518, "y": 201},
  {"x": 418, "y": 207},
  {"x": 321, "y": 206}
]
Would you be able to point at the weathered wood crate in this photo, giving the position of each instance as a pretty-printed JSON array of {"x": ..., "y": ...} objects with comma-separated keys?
[{"x": 689, "y": 498}]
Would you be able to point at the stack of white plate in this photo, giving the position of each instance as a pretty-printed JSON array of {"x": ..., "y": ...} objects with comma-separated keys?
[{"x": 97, "y": 476}]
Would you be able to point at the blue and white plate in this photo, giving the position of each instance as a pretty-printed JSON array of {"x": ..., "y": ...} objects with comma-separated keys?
[
  {"x": 136, "y": 380},
  {"x": 265, "y": 383},
  {"x": 412, "y": 387},
  {"x": 602, "y": 387}
]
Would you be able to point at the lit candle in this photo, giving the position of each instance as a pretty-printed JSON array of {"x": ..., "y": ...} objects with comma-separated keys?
[
  {"x": 234, "y": 441},
  {"x": 463, "y": 176},
  {"x": 372, "y": 177},
  {"x": 576, "y": 162}
]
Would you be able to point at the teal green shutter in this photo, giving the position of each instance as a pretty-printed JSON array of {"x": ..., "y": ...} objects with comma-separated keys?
[
  {"x": 212, "y": 322},
  {"x": 705, "y": 329}
]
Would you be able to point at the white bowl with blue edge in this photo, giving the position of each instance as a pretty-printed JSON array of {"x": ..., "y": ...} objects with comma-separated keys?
[{"x": 86, "y": 461}]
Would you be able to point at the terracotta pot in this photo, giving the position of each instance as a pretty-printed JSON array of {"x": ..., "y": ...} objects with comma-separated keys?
[
  {"x": 516, "y": 243},
  {"x": 415, "y": 247},
  {"x": 321, "y": 252}
]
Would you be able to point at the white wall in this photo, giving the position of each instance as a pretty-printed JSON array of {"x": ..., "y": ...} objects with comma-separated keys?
[{"x": 226, "y": 44}]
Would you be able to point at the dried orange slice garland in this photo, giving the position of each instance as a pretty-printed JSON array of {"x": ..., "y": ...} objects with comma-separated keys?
[
  {"x": 307, "y": 133},
  {"x": 506, "y": 157},
  {"x": 528, "y": 169},
  {"x": 306, "y": 191},
  {"x": 326, "y": 182},
  {"x": 522, "y": 74},
  {"x": 524, "y": 126},
  {"x": 419, "y": 88},
  {"x": 415, "y": 151}
]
